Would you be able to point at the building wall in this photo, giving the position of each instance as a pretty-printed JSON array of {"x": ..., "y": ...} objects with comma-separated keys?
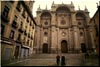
[
  {"x": 63, "y": 23},
  {"x": 17, "y": 27},
  {"x": 94, "y": 28}
]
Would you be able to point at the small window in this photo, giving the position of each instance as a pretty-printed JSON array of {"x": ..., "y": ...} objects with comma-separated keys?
[
  {"x": 12, "y": 34},
  {"x": 28, "y": 42},
  {"x": 24, "y": 13},
  {"x": 27, "y": 19},
  {"x": 45, "y": 33},
  {"x": 18, "y": 6},
  {"x": 81, "y": 33},
  {"x": 46, "y": 23},
  {"x": 6, "y": 11},
  {"x": 19, "y": 37},
  {"x": 15, "y": 18},
  {"x": 21, "y": 24},
  {"x": 79, "y": 23}
]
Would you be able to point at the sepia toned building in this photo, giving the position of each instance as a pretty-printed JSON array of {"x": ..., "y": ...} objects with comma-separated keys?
[
  {"x": 17, "y": 29},
  {"x": 62, "y": 29},
  {"x": 94, "y": 30}
]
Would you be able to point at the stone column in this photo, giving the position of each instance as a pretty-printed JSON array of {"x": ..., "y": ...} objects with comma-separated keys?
[
  {"x": 70, "y": 40},
  {"x": 53, "y": 33},
  {"x": 41, "y": 39},
  {"x": 76, "y": 39},
  {"x": 92, "y": 40},
  {"x": 38, "y": 39}
]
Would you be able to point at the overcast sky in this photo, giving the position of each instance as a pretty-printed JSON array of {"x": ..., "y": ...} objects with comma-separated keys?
[{"x": 90, "y": 4}]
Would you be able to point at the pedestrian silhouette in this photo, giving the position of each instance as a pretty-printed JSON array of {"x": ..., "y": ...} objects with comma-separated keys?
[
  {"x": 62, "y": 60},
  {"x": 58, "y": 59}
]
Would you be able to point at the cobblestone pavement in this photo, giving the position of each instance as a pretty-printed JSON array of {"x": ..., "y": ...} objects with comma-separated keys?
[{"x": 52, "y": 62}]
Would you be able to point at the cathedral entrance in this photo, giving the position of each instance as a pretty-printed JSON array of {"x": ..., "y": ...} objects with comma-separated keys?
[
  {"x": 64, "y": 47},
  {"x": 83, "y": 47},
  {"x": 45, "y": 48}
]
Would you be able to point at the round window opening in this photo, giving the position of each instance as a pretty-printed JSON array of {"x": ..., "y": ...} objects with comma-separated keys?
[{"x": 46, "y": 23}]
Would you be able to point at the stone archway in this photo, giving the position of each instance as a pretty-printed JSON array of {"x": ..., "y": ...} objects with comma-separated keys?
[
  {"x": 64, "y": 46},
  {"x": 83, "y": 48},
  {"x": 45, "y": 48}
]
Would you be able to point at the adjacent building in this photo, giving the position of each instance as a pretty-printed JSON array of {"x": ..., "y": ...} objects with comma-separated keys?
[
  {"x": 17, "y": 29},
  {"x": 62, "y": 29},
  {"x": 94, "y": 29}
]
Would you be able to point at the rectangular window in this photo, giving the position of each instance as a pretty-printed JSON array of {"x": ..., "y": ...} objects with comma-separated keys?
[
  {"x": 21, "y": 25},
  {"x": 5, "y": 11},
  {"x": 19, "y": 37},
  {"x": 27, "y": 19},
  {"x": 2, "y": 30},
  {"x": 24, "y": 13},
  {"x": 12, "y": 34},
  {"x": 18, "y": 6},
  {"x": 15, "y": 18},
  {"x": 14, "y": 24}
]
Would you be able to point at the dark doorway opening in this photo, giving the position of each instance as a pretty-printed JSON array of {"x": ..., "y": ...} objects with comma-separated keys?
[
  {"x": 83, "y": 48},
  {"x": 16, "y": 52},
  {"x": 64, "y": 47},
  {"x": 45, "y": 48}
]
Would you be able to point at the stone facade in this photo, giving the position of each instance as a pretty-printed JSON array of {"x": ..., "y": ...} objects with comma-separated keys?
[
  {"x": 94, "y": 29},
  {"x": 62, "y": 29},
  {"x": 17, "y": 29}
]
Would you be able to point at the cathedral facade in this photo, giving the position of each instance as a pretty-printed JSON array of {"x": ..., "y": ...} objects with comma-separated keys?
[{"x": 62, "y": 29}]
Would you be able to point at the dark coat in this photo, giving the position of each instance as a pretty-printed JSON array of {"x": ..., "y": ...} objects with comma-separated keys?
[
  {"x": 57, "y": 59},
  {"x": 63, "y": 60}
]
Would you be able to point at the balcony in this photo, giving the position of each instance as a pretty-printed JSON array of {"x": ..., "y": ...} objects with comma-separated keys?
[
  {"x": 14, "y": 24},
  {"x": 4, "y": 18},
  {"x": 7, "y": 40}
]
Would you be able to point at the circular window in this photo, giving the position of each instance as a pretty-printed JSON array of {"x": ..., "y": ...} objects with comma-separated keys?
[
  {"x": 46, "y": 23},
  {"x": 81, "y": 33},
  {"x": 79, "y": 23}
]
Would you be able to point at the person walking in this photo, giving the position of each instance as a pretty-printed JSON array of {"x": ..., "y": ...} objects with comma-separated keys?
[
  {"x": 57, "y": 60},
  {"x": 62, "y": 60}
]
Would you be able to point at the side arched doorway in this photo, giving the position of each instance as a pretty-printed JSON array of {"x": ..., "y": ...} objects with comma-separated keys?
[
  {"x": 45, "y": 48},
  {"x": 83, "y": 48},
  {"x": 64, "y": 46}
]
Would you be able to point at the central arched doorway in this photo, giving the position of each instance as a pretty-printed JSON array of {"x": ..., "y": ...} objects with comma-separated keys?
[
  {"x": 64, "y": 47},
  {"x": 45, "y": 48}
]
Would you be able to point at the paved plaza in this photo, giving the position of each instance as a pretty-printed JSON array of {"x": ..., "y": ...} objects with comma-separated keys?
[{"x": 47, "y": 60}]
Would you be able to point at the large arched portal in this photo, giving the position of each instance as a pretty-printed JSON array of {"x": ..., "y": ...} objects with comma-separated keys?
[
  {"x": 45, "y": 48},
  {"x": 64, "y": 46}
]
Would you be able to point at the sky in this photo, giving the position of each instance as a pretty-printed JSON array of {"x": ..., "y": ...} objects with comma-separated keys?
[{"x": 90, "y": 4}]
